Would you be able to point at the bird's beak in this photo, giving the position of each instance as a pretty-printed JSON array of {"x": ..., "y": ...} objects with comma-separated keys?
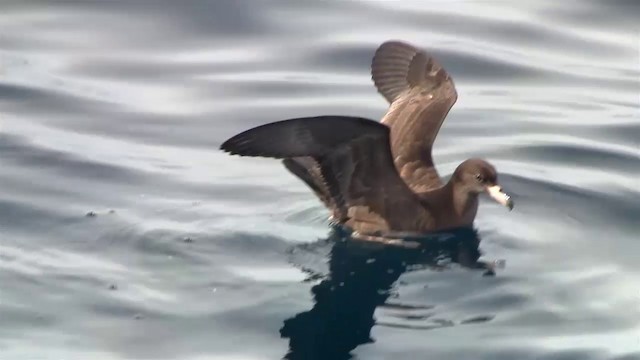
[{"x": 499, "y": 196}]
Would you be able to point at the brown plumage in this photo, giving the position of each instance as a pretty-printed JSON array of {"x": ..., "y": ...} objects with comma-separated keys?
[
  {"x": 379, "y": 178},
  {"x": 421, "y": 93}
]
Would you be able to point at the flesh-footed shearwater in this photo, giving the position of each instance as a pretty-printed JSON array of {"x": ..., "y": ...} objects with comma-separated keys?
[{"x": 378, "y": 178}]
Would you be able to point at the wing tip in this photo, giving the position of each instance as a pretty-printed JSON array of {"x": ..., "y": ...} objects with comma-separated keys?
[
  {"x": 396, "y": 43},
  {"x": 227, "y": 148},
  {"x": 239, "y": 145},
  {"x": 286, "y": 138},
  {"x": 230, "y": 146},
  {"x": 398, "y": 65},
  {"x": 391, "y": 68}
]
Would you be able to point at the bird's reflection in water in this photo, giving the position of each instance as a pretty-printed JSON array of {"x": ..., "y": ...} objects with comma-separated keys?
[{"x": 361, "y": 274}]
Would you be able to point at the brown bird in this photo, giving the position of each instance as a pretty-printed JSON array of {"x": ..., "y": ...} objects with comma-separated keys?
[{"x": 378, "y": 178}]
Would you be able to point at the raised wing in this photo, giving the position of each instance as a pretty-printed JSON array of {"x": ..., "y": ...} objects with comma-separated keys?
[
  {"x": 421, "y": 94},
  {"x": 355, "y": 166}
]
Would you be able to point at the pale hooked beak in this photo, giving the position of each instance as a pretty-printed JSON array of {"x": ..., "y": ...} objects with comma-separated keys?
[{"x": 499, "y": 196}]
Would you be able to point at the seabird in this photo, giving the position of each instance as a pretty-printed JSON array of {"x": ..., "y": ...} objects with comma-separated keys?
[{"x": 378, "y": 178}]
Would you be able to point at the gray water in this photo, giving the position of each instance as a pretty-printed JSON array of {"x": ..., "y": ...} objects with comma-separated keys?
[{"x": 126, "y": 234}]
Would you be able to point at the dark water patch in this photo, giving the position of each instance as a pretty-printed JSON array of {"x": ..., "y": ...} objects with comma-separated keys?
[
  {"x": 22, "y": 98},
  {"x": 244, "y": 243},
  {"x": 24, "y": 319},
  {"x": 164, "y": 245},
  {"x": 618, "y": 14},
  {"x": 162, "y": 72},
  {"x": 586, "y": 206},
  {"x": 496, "y": 301},
  {"x": 23, "y": 217},
  {"x": 590, "y": 157},
  {"x": 620, "y": 133},
  {"x": 279, "y": 89},
  {"x": 115, "y": 310},
  {"x": 191, "y": 21},
  {"x": 20, "y": 151},
  {"x": 634, "y": 356}
]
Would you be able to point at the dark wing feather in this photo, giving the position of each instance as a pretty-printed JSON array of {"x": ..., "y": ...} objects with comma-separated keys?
[
  {"x": 309, "y": 136},
  {"x": 354, "y": 159},
  {"x": 421, "y": 93},
  {"x": 308, "y": 170}
]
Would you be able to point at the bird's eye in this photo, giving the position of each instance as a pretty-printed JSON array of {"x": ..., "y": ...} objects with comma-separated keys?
[{"x": 479, "y": 178}]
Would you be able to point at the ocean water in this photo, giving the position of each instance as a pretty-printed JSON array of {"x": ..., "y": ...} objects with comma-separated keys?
[{"x": 126, "y": 234}]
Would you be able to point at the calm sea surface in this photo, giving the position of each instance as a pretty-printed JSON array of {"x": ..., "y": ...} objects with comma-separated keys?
[{"x": 126, "y": 234}]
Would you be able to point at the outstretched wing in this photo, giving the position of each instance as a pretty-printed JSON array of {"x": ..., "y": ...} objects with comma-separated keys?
[
  {"x": 355, "y": 166},
  {"x": 308, "y": 170},
  {"x": 421, "y": 93}
]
